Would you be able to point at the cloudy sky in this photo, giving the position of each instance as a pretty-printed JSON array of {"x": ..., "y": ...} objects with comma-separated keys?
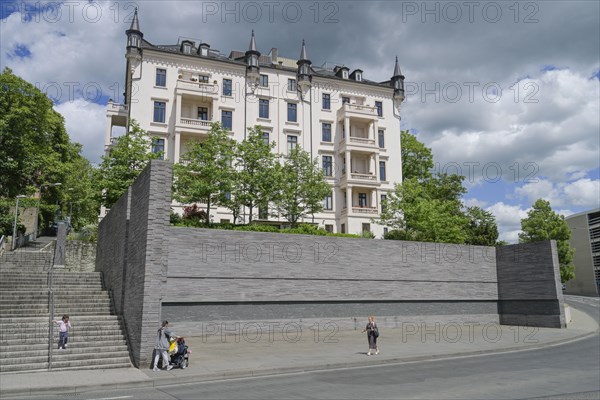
[{"x": 505, "y": 93}]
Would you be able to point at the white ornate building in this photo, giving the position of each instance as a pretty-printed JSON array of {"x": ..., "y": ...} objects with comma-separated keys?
[{"x": 351, "y": 124}]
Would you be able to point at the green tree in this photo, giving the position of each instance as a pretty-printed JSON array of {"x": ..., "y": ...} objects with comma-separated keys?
[
  {"x": 417, "y": 159},
  {"x": 255, "y": 177},
  {"x": 34, "y": 145},
  {"x": 542, "y": 223},
  {"x": 481, "y": 228},
  {"x": 128, "y": 157},
  {"x": 79, "y": 192},
  {"x": 205, "y": 174},
  {"x": 302, "y": 187},
  {"x": 428, "y": 207},
  {"x": 416, "y": 212}
]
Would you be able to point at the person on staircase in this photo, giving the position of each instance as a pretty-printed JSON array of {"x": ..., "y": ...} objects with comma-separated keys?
[{"x": 64, "y": 326}]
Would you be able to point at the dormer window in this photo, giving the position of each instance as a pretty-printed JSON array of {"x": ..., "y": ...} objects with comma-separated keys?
[
  {"x": 344, "y": 74},
  {"x": 186, "y": 47},
  {"x": 203, "y": 49},
  {"x": 358, "y": 76}
]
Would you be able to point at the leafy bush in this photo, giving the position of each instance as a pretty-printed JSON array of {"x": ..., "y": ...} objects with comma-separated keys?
[
  {"x": 88, "y": 233},
  {"x": 367, "y": 235},
  {"x": 174, "y": 218},
  {"x": 257, "y": 228},
  {"x": 194, "y": 213}
]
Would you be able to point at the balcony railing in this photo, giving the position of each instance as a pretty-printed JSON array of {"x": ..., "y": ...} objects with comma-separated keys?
[
  {"x": 117, "y": 108},
  {"x": 360, "y": 141},
  {"x": 200, "y": 87},
  {"x": 364, "y": 210},
  {"x": 363, "y": 176},
  {"x": 196, "y": 123},
  {"x": 358, "y": 109}
]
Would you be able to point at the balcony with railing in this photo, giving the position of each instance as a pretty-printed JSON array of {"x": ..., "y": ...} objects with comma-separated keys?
[
  {"x": 357, "y": 111},
  {"x": 194, "y": 125},
  {"x": 197, "y": 88}
]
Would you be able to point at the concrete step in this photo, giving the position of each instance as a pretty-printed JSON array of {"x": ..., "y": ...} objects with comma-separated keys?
[
  {"x": 78, "y": 349},
  {"x": 57, "y": 299},
  {"x": 9, "y": 294},
  {"x": 58, "y": 312},
  {"x": 66, "y": 355},
  {"x": 106, "y": 339},
  {"x": 4, "y": 349},
  {"x": 39, "y": 326},
  {"x": 89, "y": 302},
  {"x": 44, "y": 367},
  {"x": 80, "y": 319}
]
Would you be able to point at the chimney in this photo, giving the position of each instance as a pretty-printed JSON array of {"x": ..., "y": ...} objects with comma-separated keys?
[{"x": 274, "y": 55}]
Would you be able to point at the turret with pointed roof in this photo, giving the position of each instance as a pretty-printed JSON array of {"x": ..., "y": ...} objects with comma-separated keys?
[
  {"x": 252, "y": 66},
  {"x": 304, "y": 74},
  {"x": 398, "y": 82},
  {"x": 134, "y": 35}
]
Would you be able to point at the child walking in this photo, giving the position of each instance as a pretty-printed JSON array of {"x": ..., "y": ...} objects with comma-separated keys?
[{"x": 64, "y": 325}]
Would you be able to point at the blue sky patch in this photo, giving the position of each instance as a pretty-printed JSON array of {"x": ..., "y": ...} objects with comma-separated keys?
[{"x": 22, "y": 51}]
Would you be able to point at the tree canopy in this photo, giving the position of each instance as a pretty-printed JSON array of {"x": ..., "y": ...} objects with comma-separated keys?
[
  {"x": 542, "y": 223},
  {"x": 428, "y": 207}
]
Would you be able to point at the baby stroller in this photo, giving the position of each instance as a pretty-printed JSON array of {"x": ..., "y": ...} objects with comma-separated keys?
[{"x": 180, "y": 353}]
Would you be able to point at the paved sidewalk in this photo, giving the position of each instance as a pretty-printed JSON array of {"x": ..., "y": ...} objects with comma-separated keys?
[{"x": 215, "y": 357}]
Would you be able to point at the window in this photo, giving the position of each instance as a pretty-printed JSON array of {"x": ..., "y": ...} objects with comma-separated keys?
[
  {"x": 326, "y": 101},
  {"x": 345, "y": 199},
  {"x": 343, "y": 130},
  {"x": 382, "y": 171},
  {"x": 263, "y": 108},
  {"x": 291, "y": 85},
  {"x": 292, "y": 142},
  {"x": 228, "y": 196},
  {"x": 158, "y": 147},
  {"x": 326, "y": 132},
  {"x": 329, "y": 228},
  {"x": 263, "y": 211},
  {"x": 226, "y": 119},
  {"x": 383, "y": 202},
  {"x": 292, "y": 115},
  {"x": 203, "y": 78},
  {"x": 264, "y": 80},
  {"x": 379, "y": 106},
  {"x": 328, "y": 165},
  {"x": 381, "y": 138},
  {"x": 362, "y": 199},
  {"x": 187, "y": 48},
  {"x": 161, "y": 77},
  {"x": 345, "y": 74},
  {"x": 358, "y": 76},
  {"x": 343, "y": 228},
  {"x": 385, "y": 231},
  {"x": 366, "y": 227},
  {"x": 225, "y": 221},
  {"x": 227, "y": 87},
  {"x": 159, "y": 111},
  {"x": 328, "y": 202},
  {"x": 265, "y": 137},
  {"x": 345, "y": 100},
  {"x": 203, "y": 113}
]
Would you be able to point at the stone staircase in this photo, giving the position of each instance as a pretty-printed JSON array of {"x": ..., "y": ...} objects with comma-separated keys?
[{"x": 96, "y": 339}]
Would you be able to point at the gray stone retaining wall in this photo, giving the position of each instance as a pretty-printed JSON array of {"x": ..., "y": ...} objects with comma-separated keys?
[
  {"x": 80, "y": 256},
  {"x": 200, "y": 277}
]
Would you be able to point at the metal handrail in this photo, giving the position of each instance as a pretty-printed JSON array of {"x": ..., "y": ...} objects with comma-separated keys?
[
  {"x": 2, "y": 240},
  {"x": 51, "y": 311}
]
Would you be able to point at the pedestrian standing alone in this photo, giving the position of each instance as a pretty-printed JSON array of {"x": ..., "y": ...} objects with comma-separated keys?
[
  {"x": 64, "y": 326},
  {"x": 372, "y": 335},
  {"x": 162, "y": 346}
]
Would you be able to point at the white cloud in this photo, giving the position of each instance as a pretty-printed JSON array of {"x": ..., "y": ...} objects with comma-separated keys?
[
  {"x": 85, "y": 123},
  {"x": 508, "y": 218},
  {"x": 584, "y": 193}
]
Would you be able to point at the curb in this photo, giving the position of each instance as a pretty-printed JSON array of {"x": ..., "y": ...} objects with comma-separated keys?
[{"x": 239, "y": 374}]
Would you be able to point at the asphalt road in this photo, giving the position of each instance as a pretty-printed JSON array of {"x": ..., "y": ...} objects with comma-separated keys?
[{"x": 569, "y": 371}]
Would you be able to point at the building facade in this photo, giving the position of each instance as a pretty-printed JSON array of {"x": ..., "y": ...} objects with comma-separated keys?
[
  {"x": 585, "y": 239},
  {"x": 348, "y": 123}
]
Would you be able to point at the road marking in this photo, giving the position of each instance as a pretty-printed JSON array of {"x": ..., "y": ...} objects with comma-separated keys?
[{"x": 112, "y": 398}]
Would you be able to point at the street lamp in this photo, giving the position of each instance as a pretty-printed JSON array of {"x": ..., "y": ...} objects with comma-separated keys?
[
  {"x": 37, "y": 210},
  {"x": 14, "y": 238}
]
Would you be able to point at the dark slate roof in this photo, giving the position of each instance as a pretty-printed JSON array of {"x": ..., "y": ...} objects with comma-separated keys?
[{"x": 238, "y": 57}]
